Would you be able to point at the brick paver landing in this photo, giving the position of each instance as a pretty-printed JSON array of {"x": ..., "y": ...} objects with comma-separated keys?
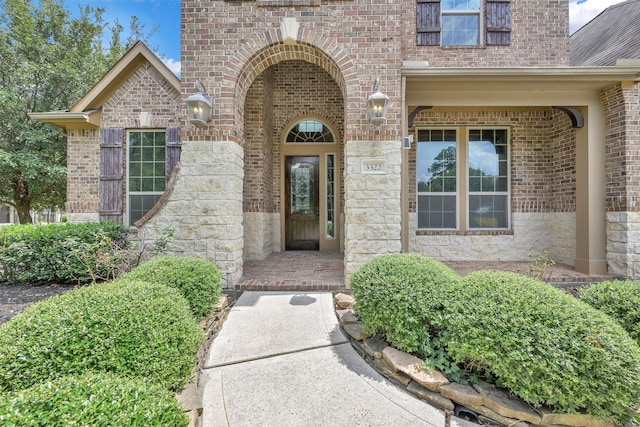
[{"x": 324, "y": 271}]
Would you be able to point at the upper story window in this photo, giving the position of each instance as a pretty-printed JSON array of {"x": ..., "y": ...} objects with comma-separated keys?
[{"x": 462, "y": 22}]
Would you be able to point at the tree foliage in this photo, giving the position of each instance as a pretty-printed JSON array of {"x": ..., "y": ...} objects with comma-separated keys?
[{"x": 48, "y": 60}]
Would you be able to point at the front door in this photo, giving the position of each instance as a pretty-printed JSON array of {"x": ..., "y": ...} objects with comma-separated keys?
[{"x": 302, "y": 207}]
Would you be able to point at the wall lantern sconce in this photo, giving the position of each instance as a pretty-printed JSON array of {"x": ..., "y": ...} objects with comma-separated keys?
[
  {"x": 199, "y": 106},
  {"x": 377, "y": 104}
]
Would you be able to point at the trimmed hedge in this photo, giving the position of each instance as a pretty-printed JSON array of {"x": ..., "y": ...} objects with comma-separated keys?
[
  {"x": 544, "y": 345},
  {"x": 198, "y": 280},
  {"x": 619, "y": 299},
  {"x": 136, "y": 329},
  {"x": 49, "y": 253},
  {"x": 403, "y": 296},
  {"x": 91, "y": 400}
]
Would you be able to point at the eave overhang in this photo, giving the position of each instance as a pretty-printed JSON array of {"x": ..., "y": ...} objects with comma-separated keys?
[
  {"x": 68, "y": 119},
  {"x": 580, "y": 77}
]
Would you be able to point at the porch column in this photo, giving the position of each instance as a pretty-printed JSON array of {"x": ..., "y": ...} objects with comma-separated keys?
[
  {"x": 372, "y": 193},
  {"x": 590, "y": 192}
]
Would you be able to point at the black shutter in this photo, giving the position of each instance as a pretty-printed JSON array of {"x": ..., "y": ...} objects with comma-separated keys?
[
  {"x": 174, "y": 147},
  {"x": 498, "y": 22},
  {"x": 428, "y": 23},
  {"x": 111, "y": 174}
]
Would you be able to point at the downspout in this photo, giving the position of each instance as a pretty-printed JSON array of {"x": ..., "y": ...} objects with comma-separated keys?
[{"x": 404, "y": 191}]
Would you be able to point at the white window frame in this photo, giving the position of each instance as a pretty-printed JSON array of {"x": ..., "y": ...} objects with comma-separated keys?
[
  {"x": 128, "y": 164},
  {"x": 463, "y": 192},
  {"x": 468, "y": 192},
  {"x": 481, "y": 22},
  {"x": 458, "y": 186}
]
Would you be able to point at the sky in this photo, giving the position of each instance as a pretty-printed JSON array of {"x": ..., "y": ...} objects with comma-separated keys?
[{"x": 165, "y": 14}]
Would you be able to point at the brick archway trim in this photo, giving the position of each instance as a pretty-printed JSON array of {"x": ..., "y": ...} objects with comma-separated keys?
[{"x": 268, "y": 49}]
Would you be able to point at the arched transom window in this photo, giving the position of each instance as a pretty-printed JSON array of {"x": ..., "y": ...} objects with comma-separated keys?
[{"x": 310, "y": 131}]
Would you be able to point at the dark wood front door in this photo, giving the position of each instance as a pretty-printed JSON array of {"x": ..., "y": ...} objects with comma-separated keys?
[{"x": 302, "y": 207}]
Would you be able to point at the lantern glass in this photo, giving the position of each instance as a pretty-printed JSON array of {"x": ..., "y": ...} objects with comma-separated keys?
[
  {"x": 199, "y": 109},
  {"x": 377, "y": 104}
]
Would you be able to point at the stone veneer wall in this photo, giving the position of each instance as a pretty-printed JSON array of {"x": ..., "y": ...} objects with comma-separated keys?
[
  {"x": 372, "y": 202},
  {"x": 622, "y": 112},
  {"x": 205, "y": 206},
  {"x": 83, "y": 175},
  {"x": 542, "y": 189}
]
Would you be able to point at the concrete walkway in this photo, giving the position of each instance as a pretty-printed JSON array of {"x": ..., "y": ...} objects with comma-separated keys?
[{"x": 282, "y": 360}]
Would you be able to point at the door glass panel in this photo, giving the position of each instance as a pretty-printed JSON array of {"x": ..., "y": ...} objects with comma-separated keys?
[
  {"x": 302, "y": 188},
  {"x": 331, "y": 231}
]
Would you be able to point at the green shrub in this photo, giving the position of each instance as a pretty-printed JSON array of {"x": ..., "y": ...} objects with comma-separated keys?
[
  {"x": 59, "y": 253},
  {"x": 135, "y": 329},
  {"x": 91, "y": 400},
  {"x": 198, "y": 280},
  {"x": 620, "y": 300},
  {"x": 402, "y": 295},
  {"x": 544, "y": 345}
]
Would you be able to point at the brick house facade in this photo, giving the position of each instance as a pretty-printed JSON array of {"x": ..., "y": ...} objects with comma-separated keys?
[{"x": 514, "y": 152}]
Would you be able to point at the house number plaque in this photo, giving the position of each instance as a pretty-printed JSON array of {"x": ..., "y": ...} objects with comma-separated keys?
[{"x": 374, "y": 166}]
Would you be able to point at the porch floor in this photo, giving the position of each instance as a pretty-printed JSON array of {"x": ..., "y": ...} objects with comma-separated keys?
[{"x": 324, "y": 271}]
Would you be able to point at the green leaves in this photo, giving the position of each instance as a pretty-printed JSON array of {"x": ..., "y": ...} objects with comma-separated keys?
[
  {"x": 133, "y": 329},
  {"x": 48, "y": 61},
  {"x": 545, "y": 346},
  {"x": 60, "y": 253},
  {"x": 620, "y": 300},
  {"x": 97, "y": 399},
  {"x": 198, "y": 280}
]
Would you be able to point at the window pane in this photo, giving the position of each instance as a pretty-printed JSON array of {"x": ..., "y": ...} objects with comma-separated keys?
[
  {"x": 436, "y": 163},
  {"x": 488, "y": 211},
  {"x": 139, "y": 205},
  {"x": 146, "y": 184},
  {"x": 330, "y": 226},
  {"x": 460, "y": 4},
  {"x": 310, "y": 131},
  {"x": 488, "y": 163},
  {"x": 436, "y": 212},
  {"x": 461, "y": 30}
]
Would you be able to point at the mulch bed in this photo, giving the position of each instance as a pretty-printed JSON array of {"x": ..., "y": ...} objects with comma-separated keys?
[{"x": 14, "y": 299}]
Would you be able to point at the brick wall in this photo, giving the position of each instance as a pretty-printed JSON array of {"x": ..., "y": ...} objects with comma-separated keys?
[
  {"x": 622, "y": 131},
  {"x": 562, "y": 186},
  {"x": 145, "y": 90},
  {"x": 228, "y": 44},
  {"x": 539, "y": 37},
  {"x": 83, "y": 173},
  {"x": 277, "y": 98}
]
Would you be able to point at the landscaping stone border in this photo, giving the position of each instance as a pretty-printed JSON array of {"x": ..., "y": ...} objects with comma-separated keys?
[{"x": 482, "y": 402}]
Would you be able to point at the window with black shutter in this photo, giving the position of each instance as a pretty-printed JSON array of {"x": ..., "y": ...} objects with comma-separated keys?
[{"x": 460, "y": 22}]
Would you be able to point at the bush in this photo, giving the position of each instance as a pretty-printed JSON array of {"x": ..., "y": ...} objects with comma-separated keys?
[
  {"x": 544, "y": 345},
  {"x": 620, "y": 300},
  {"x": 91, "y": 400},
  {"x": 402, "y": 295},
  {"x": 198, "y": 280},
  {"x": 134, "y": 329},
  {"x": 59, "y": 253}
]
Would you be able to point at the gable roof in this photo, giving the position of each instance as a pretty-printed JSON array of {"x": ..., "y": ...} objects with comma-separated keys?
[
  {"x": 86, "y": 112},
  {"x": 613, "y": 34}
]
